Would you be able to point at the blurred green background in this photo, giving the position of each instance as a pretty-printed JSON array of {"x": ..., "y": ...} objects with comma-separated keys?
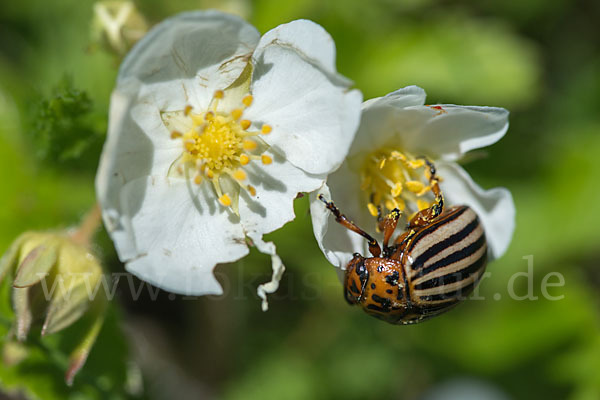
[{"x": 539, "y": 59}]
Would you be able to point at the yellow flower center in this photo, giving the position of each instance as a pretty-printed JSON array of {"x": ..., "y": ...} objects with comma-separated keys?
[
  {"x": 395, "y": 179},
  {"x": 218, "y": 146}
]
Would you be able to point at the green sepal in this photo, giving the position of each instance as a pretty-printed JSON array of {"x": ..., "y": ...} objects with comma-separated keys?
[
  {"x": 80, "y": 354},
  {"x": 9, "y": 258},
  {"x": 36, "y": 265}
]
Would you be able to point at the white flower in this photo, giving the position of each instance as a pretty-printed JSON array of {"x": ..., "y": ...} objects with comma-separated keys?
[
  {"x": 213, "y": 132},
  {"x": 383, "y": 169}
]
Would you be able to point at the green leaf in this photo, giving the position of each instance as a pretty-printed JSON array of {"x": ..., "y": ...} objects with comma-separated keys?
[
  {"x": 41, "y": 374},
  {"x": 64, "y": 129},
  {"x": 455, "y": 58}
]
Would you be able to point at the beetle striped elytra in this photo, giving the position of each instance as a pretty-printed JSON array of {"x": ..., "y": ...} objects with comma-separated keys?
[{"x": 427, "y": 270}]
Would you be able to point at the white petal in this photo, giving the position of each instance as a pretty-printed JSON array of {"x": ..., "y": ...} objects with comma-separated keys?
[
  {"x": 336, "y": 242},
  {"x": 308, "y": 39},
  {"x": 124, "y": 157},
  {"x": 180, "y": 233},
  {"x": 445, "y": 133},
  {"x": 277, "y": 266},
  {"x": 194, "y": 53},
  {"x": 451, "y": 131},
  {"x": 313, "y": 113},
  {"x": 137, "y": 145},
  {"x": 495, "y": 207},
  {"x": 277, "y": 185},
  {"x": 404, "y": 97},
  {"x": 381, "y": 123}
]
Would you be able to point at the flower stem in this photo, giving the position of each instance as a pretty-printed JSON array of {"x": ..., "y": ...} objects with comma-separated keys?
[{"x": 88, "y": 227}]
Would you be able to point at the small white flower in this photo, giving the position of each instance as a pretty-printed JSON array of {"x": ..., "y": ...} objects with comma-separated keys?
[
  {"x": 383, "y": 170},
  {"x": 213, "y": 131}
]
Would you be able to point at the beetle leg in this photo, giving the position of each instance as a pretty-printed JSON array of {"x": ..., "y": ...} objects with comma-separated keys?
[
  {"x": 434, "y": 180},
  {"x": 380, "y": 219},
  {"x": 388, "y": 226},
  {"x": 425, "y": 216},
  {"x": 374, "y": 248}
]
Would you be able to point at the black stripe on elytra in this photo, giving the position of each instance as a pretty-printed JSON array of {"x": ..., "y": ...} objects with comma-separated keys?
[
  {"x": 454, "y": 276},
  {"x": 438, "y": 224},
  {"x": 454, "y": 257},
  {"x": 384, "y": 301},
  {"x": 375, "y": 308},
  {"x": 436, "y": 309},
  {"x": 453, "y": 295},
  {"x": 444, "y": 244}
]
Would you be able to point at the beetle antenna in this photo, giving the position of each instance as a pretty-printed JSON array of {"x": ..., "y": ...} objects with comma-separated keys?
[{"x": 374, "y": 248}]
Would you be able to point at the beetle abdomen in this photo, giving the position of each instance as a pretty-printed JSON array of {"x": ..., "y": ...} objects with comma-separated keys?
[{"x": 445, "y": 260}]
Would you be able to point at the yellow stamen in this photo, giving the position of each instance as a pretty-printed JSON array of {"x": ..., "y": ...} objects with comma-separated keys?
[
  {"x": 393, "y": 179},
  {"x": 217, "y": 146},
  {"x": 373, "y": 209},
  {"x": 189, "y": 145},
  {"x": 415, "y": 186},
  {"x": 416, "y": 164},
  {"x": 397, "y": 190},
  {"x": 247, "y": 100},
  {"x": 250, "y": 145},
  {"x": 422, "y": 204},
  {"x": 390, "y": 204},
  {"x": 240, "y": 175},
  {"x": 397, "y": 155},
  {"x": 245, "y": 124},
  {"x": 237, "y": 114},
  {"x": 225, "y": 200},
  {"x": 197, "y": 119},
  {"x": 400, "y": 204},
  {"x": 425, "y": 190},
  {"x": 377, "y": 198}
]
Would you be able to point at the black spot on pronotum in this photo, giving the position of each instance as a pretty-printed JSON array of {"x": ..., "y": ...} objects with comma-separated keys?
[
  {"x": 361, "y": 269},
  {"x": 354, "y": 288},
  {"x": 373, "y": 286},
  {"x": 389, "y": 291},
  {"x": 393, "y": 278},
  {"x": 349, "y": 298}
]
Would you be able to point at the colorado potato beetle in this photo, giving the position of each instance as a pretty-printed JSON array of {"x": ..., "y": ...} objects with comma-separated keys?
[{"x": 436, "y": 262}]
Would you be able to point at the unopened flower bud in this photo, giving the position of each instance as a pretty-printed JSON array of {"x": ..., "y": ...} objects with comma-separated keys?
[
  {"x": 55, "y": 279},
  {"x": 117, "y": 25}
]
